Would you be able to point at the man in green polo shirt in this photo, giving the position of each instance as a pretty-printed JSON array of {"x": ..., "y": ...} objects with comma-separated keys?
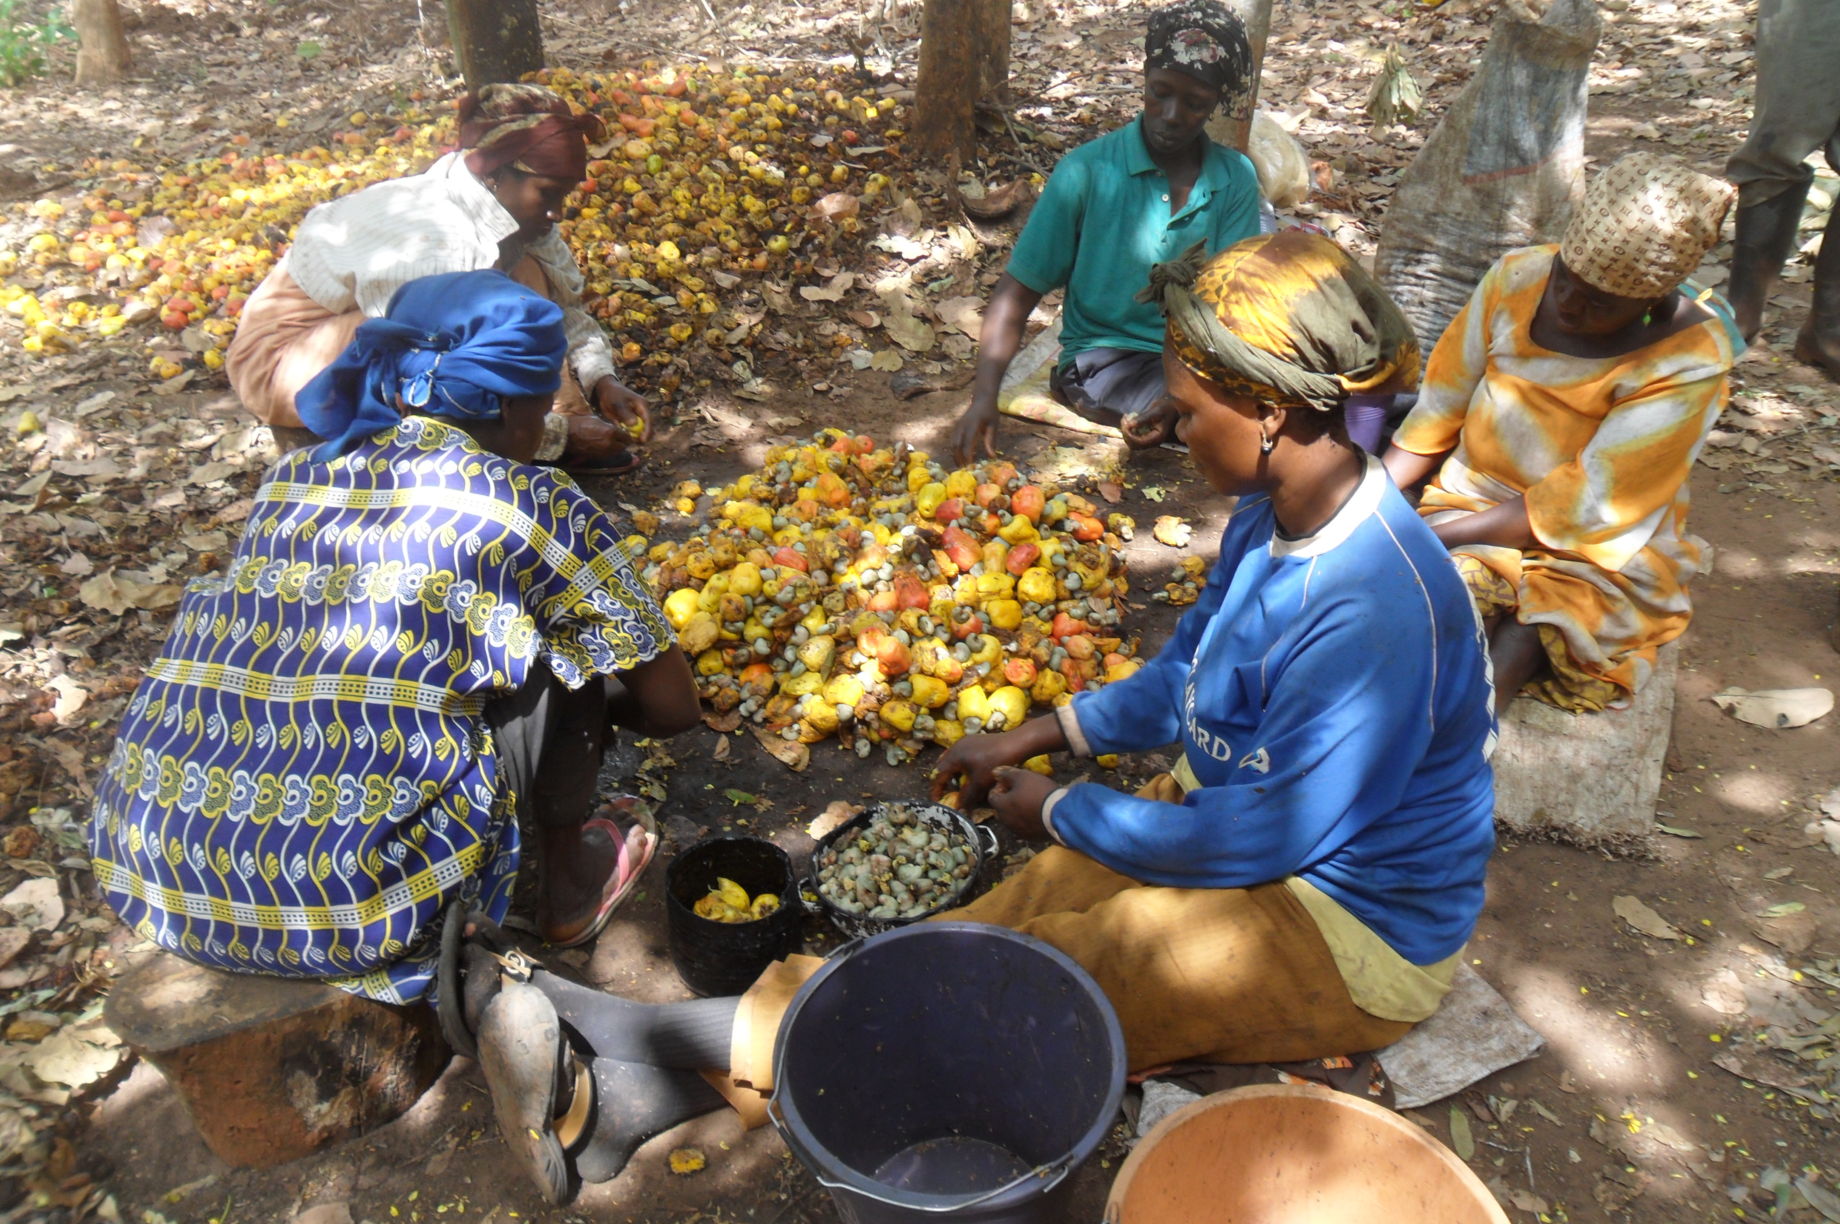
[{"x": 1113, "y": 207}]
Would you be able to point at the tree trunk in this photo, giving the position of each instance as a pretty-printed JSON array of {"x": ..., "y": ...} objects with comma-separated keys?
[
  {"x": 1236, "y": 127},
  {"x": 495, "y": 40},
  {"x": 993, "y": 47},
  {"x": 102, "y": 49},
  {"x": 964, "y": 54}
]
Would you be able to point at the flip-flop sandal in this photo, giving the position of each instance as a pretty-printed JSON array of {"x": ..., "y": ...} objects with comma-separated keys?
[
  {"x": 470, "y": 972},
  {"x": 448, "y": 1008},
  {"x": 522, "y": 1054},
  {"x": 636, "y": 845}
]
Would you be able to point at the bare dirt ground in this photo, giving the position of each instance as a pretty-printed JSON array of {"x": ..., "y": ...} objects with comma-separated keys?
[{"x": 1689, "y": 1073}]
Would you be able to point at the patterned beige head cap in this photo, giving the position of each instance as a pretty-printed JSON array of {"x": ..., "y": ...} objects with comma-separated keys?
[{"x": 1644, "y": 225}]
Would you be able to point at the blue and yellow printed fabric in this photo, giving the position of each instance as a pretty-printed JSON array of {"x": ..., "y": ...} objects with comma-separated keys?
[{"x": 306, "y": 777}]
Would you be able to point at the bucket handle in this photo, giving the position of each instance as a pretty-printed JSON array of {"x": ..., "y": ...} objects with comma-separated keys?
[
  {"x": 1054, "y": 1172},
  {"x": 988, "y": 836}
]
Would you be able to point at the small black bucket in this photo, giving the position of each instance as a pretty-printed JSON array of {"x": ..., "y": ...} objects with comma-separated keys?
[
  {"x": 724, "y": 958},
  {"x": 949, "y": 1069}
]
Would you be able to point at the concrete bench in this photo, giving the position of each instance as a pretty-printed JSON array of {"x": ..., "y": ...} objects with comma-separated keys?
[
  {"x": 1589, "y": 779},
  {"x": 271, "y": 1069}
]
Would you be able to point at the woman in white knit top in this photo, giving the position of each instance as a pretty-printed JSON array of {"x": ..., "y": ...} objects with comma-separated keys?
[{"x": 492, "y": 204}]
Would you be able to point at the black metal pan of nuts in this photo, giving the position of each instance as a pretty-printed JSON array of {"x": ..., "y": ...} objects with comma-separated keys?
[{"x": 895, "y": 863}]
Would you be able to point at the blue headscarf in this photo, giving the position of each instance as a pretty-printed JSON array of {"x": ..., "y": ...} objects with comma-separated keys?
[{"x": 450, "y": 346}]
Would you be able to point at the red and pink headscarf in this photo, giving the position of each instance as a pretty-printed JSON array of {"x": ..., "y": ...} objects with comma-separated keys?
[{"x": 528, "y": 128}]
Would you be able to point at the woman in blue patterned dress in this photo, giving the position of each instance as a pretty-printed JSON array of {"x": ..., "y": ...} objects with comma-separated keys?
[{"x": 418, "y": 637}]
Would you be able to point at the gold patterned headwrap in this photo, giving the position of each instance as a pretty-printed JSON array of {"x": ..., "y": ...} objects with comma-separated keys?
[
  {"x": 1644, "y": 225},
  {"x": 1288, "y": 319}
]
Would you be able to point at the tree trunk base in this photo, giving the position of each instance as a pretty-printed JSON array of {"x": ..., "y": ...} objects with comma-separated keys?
[
  {"x": 964, "y": 55},
  {"x": 102, "y": 48}
]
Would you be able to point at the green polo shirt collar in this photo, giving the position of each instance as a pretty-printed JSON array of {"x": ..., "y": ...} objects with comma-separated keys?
[{"x": 1137, "y": 161}]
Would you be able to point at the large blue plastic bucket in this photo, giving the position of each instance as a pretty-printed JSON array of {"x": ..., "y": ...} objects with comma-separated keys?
[{"x": 948, "y": 1069}]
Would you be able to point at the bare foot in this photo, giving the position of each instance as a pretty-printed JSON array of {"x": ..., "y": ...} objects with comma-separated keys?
[
  {"x": 1821, "y": 352},
  {"x": 578, "y": 864}
]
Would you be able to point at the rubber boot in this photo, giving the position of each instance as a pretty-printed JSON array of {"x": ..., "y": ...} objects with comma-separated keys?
[
  {"x": 1818, "y": 344},
  {"x": 1766, "y": 236}
]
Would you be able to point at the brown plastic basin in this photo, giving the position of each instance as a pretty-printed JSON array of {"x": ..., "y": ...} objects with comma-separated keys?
[{"x": 1283, "y": 1154}]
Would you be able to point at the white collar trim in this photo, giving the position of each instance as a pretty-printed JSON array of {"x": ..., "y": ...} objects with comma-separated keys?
[{"x": 1363, "y": 502}]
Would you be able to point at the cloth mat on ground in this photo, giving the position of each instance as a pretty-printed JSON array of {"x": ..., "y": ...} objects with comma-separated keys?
[{"x": 1472, "y": 1035}]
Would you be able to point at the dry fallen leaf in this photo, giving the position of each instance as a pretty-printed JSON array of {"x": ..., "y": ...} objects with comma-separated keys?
[
  {"x": 35, "y": 904},
  {"x": 1776, "y": 708},
  {"x": 723, "y": 723},
  {"x": 70, "y": 698},
  {"x": 966, "y": 314},
  {"x": 1111, "y": 491},
  {"x": 792, "y": 754},
  {"x": 29, "y": 1028},
  {"x": 77, "y": 1055},
  {"x": 910, "y": 333},
  {"x": 1662, "y": 1133},
  {"x": 1823, "y": 1201},
  {"x": 211, "y": 473},
  {"x": 831, "y": 291},
  {"x": 1462, "y": 1142},
  {"x": 1757, "y": 1063},
  {"x": 12, "y": 941},
  {"x": 35, "y": 489},
  {"x": 115, "y": 592},
  {"x": 835, "y": 815},
  {"x": 333, "y": 1213},
  {"x": 1617, "y": 1187},
  {"x": 997, "y": 202},
  {"x": 836, "y": 204},
  {"x": 1645, "y": 920},
  {"x": 1528, "y": 1201},
  {"x": 1172, "y": 531}
]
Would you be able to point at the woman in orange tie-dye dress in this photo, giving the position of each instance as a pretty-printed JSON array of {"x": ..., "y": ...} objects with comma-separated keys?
[{"x": 1559, "y": 419}]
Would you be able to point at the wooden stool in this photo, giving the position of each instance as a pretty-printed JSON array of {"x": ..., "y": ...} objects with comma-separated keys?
[{"x": 271, "y": 1068}]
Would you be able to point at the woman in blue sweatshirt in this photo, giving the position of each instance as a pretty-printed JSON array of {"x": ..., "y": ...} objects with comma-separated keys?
[{"x": 1303, "y": 883}]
